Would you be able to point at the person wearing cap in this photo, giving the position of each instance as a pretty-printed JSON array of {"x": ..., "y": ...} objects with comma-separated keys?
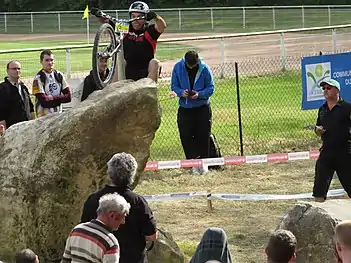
[
  {"x": 193, "y": 83},
  {"x": 334, "y": 127},
  {"x": 89, "y": 85}
]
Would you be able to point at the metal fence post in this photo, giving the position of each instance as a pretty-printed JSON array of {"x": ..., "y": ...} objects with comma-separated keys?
[
  {"x": 180, "y": 19},
  {"x": 88, "y": 30},
  {"x": 239, "y": 109},
  {"x": 329, "y": 16},
  {"x": 303, "y": 16},
  {"x": 334, "y": 40},
  {"x": 68, "y": 63},
  {"x": 59, "y": 21},
  {"x": 212, "y": 25},
  {"x": 273, "y": 13},
  {"x": 222, "y": 58},
  {"x": 5, "y": 22},
  {"x": 283, "y": 51},
  {"x": 116, "y": 14},
  {"x": 31, "y": 22},
  {"x": 244, "y": 18}
]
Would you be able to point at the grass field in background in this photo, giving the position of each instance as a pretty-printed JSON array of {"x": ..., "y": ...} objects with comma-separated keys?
[
  {"x": 224, "y": 20},
  {"x": 272, "y": 119},
  {"x": 80, "y": 58}
]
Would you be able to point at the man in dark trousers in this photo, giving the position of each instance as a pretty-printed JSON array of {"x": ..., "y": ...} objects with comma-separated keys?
[
  {"x": 334, "y": 127},
  {"x": 140, "y": 224},
  {"x": 193, "y": 83},
  {"x": 15, "y": 103}
]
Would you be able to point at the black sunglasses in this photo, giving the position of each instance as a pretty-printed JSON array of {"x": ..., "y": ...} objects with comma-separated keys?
[{"x": 328, "y": 88}]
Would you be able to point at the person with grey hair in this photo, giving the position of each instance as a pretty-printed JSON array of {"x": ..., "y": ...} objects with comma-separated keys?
[
  {"x": 94, "y": 241},
  {"x": 140, "y": 225},
  {"x": 26, "y": 256}
]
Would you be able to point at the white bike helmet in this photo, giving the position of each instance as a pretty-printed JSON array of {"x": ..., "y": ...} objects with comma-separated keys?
[{"x": 139, "y": 7}]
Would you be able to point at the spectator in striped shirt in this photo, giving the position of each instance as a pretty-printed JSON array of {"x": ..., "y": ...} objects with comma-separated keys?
[{"x": 93, "y": 241}]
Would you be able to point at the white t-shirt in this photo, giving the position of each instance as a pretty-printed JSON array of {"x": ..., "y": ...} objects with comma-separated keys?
[
  {"x": 20, "y": 90},
  {"x": 52, "y": 87}
]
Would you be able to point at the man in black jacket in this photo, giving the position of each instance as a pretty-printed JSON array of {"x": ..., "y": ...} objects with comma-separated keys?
[
  {"x": 334, "y": 127},
  {"x": 15, "y": 103},
  {"x": 140, "y": 224},
  {"x": 89, "y": 82}
]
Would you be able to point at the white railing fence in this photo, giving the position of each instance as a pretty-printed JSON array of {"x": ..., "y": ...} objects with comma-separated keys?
[
  {"x": 75, "y": 60},
  {"x": 234, "y": 19}
]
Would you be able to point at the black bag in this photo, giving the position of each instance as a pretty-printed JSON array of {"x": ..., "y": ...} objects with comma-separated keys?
[{"x": 214, "y": 152}]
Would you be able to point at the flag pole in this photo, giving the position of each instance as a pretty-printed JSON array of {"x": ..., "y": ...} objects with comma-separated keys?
[{"x": 88, "y": 29}]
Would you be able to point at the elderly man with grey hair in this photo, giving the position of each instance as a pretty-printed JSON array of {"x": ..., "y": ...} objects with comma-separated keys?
[
  {"x": 94, "y": 241},
  {"x": 140, "y": 225}
]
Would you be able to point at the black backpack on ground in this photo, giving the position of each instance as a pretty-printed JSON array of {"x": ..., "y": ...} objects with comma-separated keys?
[{"x": 214, "y": 152}]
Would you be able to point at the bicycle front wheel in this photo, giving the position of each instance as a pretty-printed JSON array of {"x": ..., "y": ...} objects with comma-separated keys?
[{"x": 104, "y": 57}]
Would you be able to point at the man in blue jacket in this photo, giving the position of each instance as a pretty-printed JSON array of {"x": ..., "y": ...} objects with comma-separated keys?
[{"x": 193, "y": 83}]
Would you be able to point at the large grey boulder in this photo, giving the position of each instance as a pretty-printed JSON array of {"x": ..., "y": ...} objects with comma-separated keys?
[
  {"x": 165, "y": 250},
  {"x": 49, "y": 166},
  {"x": 313, "y": 225}
]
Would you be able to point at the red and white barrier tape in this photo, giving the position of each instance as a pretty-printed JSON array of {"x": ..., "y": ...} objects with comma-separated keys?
[{"x": 232, "y": 160}]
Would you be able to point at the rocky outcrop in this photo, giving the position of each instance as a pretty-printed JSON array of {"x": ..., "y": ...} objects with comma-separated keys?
[
  {"x": 165, "y": 250},
  {"x": 48, "y": 166},
  {"x": 313, "y": 225}
]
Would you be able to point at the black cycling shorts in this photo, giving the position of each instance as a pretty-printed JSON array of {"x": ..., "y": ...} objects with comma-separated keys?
[{"x": 136, "y": 74}]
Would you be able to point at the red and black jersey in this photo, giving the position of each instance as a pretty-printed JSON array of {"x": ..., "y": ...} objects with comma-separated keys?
[{"x": 139, "y": 49}]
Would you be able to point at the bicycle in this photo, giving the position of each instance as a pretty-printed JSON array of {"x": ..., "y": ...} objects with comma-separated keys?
[{"x": 114, "y": 48}]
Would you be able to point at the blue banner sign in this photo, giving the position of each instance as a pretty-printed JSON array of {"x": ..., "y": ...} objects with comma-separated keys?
[{"x": 318, "y": 68}]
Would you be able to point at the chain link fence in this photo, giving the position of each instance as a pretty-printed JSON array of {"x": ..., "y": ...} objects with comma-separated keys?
[
  {"x": 260, "y": 112},
  {"x": 233, "y": 19}
]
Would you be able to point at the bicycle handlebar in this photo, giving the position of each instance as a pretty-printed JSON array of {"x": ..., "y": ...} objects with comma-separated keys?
[{"x": 100, "y": 14}]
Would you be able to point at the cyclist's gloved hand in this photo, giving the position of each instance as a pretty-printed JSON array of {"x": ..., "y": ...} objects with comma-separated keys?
[{"x": 151, "y": 15}]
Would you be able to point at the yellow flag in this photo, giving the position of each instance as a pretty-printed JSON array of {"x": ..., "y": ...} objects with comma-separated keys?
[{"x": 86, "y": 13}]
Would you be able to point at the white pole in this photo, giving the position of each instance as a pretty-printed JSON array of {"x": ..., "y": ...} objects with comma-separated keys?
[
  {"x": 273, "y": 13},
  {"x": 334, "y": 40},
  {"x": 329, "y": 15},
  {"x": 59, "y": 21},
  {"x": 222, "y": 58},
  {"x": 88, "y": 29},
  {"x": 303, "y": 16},
  {"x": 244, "y": 18},
  {"x": 68, "y": 63},
  {"x": 31, "y": 22},
  {"x": 180, "y": 19},
  {"x": 212, "y": 26},
  {"x": 5, "y": 22},
  {"x": 283, "y": 51}
]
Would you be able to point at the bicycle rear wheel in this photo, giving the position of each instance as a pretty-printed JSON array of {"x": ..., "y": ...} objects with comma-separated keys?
[{"x": 105, "y": 43}]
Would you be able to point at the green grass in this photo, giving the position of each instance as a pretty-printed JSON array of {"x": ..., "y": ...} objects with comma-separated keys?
[
  {"x": 272, "y": 119},
  {"x": 224, "y": 20},
  {"x": 80, "y": 58},
  {"x": 248, "y": 224}
]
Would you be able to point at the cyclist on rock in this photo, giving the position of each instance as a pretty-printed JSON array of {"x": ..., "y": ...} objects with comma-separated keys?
[{"x": 140, "y": 42}]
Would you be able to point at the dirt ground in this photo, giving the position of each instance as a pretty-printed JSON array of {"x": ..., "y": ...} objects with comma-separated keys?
[{"x": 235, "y": 49}]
